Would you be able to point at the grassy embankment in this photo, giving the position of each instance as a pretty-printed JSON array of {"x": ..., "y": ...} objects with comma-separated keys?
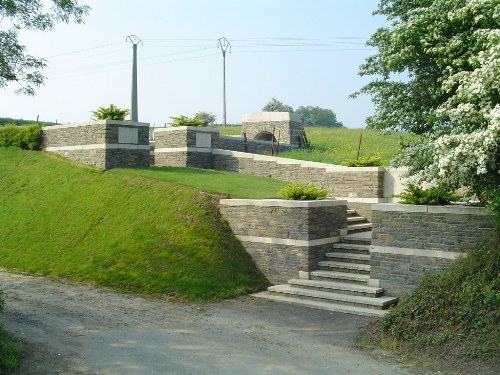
[
  {"x": 122, "y": 230},
  {"x": 335, "y": 145}
]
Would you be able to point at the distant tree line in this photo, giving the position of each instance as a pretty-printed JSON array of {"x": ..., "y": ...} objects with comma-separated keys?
[
  {"x": 14, "y": 121},
  {"x": 311, "y": 116}
]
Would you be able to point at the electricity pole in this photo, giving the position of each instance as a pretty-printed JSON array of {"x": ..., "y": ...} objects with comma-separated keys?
[
  {"x": 134, "y": 39},
  {"x": 224, "y": 45}
]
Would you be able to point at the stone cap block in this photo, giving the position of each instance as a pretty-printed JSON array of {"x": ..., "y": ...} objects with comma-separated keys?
[
  {"x": 282, "y": 203},
  {"x": 270, "y": 117},
  {"x": 450, "y": 209},
  {"x": 98, "y": 122},
  {"x": 198, "y": 129}
]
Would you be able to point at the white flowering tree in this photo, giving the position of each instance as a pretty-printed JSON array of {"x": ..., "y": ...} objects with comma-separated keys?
[{"x": 438, "y": 74}]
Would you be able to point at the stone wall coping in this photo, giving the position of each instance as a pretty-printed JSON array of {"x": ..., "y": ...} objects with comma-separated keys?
[
  {"x": 363, "y": 200},
  {"x": 451, "y": 209},
  {"x": 270, "y": 117},
  {"x": 98, "y": 122},
  {"x": 282, "y": 203},
  {"x": 198, "y": 129}
]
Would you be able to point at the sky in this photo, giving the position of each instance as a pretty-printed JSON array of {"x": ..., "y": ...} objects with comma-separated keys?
[{"x": 302, "y": 52}]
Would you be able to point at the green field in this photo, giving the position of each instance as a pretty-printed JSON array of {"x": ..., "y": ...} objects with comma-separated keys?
[
  {"x": 335, "y": 145},
  {"x": 118, "y": 229}
]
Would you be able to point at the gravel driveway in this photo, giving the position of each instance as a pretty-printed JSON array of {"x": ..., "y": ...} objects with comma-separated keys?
[{"x": 77, "y": 329}]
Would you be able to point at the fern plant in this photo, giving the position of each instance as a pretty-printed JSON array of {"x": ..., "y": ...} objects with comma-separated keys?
[
  {"x": 110, "y": 113},
  {"x": 435, "y": 195},
  {"x": 301, "y": 192},
  {"x": 186, "y": 121}
]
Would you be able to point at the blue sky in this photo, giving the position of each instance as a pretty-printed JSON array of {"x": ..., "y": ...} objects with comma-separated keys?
[{"x": 301, "y": 52}]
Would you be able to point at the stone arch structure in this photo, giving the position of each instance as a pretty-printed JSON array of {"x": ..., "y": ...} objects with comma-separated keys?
[{"x": 286, "y": 127}]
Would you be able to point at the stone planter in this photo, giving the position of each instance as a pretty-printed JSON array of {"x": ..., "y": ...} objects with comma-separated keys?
[{"x": 285, "y": 237}]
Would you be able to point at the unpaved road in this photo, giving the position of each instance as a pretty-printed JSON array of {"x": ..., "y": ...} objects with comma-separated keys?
[{"x": 76, "y": 329}]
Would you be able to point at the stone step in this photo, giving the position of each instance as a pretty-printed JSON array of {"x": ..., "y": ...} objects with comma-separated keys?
[
  {"x": 360, "y": 238},
  {"x": 336, "y": 287},
  {"x": 344, "y": 267},
  {"x": 359, "y": 227},
  {"x": 355, "y": 219},
  {"x": 328, "y": 306},
  {"x": 348, "y": 257},
  {"x": 352, "y": 248},
  {"x": 379, "y": 303},
  {"x": 345, "y": 277},
  {"x": 351, "y": 212}
]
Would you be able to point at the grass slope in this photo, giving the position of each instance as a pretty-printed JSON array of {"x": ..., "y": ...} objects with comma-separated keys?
[
  {"x": 335, "y": 145},
  {"x": 118, "y": 230},
  {"x": 231, "y": 184}
]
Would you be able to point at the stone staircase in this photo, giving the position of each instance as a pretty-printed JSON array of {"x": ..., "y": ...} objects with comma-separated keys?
[{"x": 341, "y": 282}]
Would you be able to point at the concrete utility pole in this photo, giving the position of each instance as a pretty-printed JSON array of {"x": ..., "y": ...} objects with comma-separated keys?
[
  {"x": 224, "y": 45},
  {"x": 134, "y": 39}
]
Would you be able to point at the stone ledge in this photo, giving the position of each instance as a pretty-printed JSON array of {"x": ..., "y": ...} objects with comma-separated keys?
[
  {"x": 451, "y": 209},
  {"x": 289, "y": 241},
  {"x": 186, "y": 128},
  {"x": 103, "y": 146},
  {"x": 202, "y": 150},
  {"x": 433, "y": 253},
  {"x": 98, "y": 122},
  {"x": 282, "y": 203}
]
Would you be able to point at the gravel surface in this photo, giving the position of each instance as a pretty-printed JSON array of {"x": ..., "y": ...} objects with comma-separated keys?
[{"x": 77, "y": 329}]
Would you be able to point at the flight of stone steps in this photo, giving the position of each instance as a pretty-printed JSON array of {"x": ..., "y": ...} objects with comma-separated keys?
[{"x": 341, "y": 281}]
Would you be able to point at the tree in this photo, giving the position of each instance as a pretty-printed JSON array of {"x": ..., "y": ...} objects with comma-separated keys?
[
  {"x": 207, "y": 118},
  {"x": 15, "y": 64},
  {"x": 316, "y": 116},
  {"x": 449, "y": 53},
  {"x": 274, "y": 105},
  {"x": 110, "y": 113}
]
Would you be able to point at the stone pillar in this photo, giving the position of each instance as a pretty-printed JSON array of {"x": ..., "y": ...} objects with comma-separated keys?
[
  {"x": 185, "y": 146},
  {"x": 103, "y": 144}
]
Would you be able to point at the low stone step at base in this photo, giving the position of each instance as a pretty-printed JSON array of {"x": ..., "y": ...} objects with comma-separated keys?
[
  {"x": 340, "y": 277},
  {"x": 321, "y": 305},
  {"x": 351, "y": 212},
  {"x": 379, "y": 303},
  {"x": 337, "y": 287},
  {"x": 344, "y": 267},
  {"x": 348, "y": 257}
]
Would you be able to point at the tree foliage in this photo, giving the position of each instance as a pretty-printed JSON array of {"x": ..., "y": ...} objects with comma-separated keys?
[
  {"x": 110, "y": 113},
  {"x": 206, "y": 117},
  {"x": 16, "y": 66},
  {"x": 438, "y": 68},
  {"x": 274, "y": 105},
  {"x": 317, "y": 116}
]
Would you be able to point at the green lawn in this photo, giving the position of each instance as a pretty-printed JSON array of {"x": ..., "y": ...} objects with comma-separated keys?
[
  {"x": 230, "y": 184},
  {"x": 118, "y": 229},
  {"x": 334, "y": 145}
]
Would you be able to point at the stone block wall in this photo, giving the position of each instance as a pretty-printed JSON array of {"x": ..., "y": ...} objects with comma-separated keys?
[
  {"x": 200, "y": 147},
  {"x": 253, "y": 146},
  {"x": 103, "y": 144},
  {"x": 285, "y": 237},
  {"x": 408, "y": 240}
]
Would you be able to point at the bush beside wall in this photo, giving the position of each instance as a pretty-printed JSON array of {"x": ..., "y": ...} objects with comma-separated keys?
[{"x": 28, "y": 137}]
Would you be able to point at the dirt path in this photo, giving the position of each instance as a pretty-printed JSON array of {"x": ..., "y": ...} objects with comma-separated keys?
[{"x": 74, "y": 329}]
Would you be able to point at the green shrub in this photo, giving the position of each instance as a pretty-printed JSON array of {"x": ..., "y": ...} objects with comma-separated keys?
[
  {"x": 456, "y": 310},
  {"x": 301, "y": 192},
  {"x": 435, "y": 195},
  {"x": 27, "y": 137},
  {"x": 364, "y": 161},
  {"x": 110, "y": 113},
  {"x": 186, "y": 121}
]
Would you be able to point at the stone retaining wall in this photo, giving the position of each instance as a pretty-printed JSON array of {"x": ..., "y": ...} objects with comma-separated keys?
[
  {"x": 285, "y": 237},
  {"x": 408, "y": 240},
  {"x": 103, "y": 144},
  {"x": 252, "y": 146}
]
